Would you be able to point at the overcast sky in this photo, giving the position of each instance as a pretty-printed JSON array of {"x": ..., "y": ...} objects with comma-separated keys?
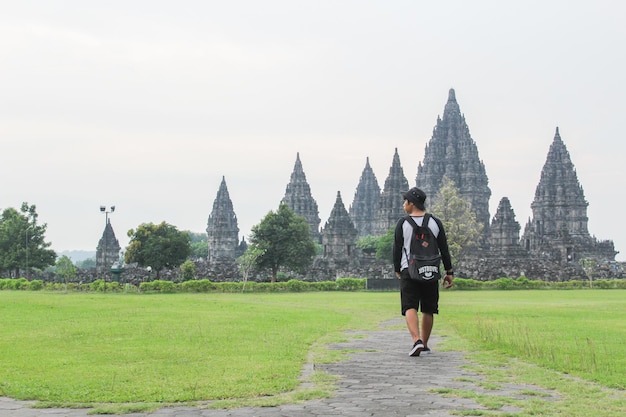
[{"x": 145, "y": 105}]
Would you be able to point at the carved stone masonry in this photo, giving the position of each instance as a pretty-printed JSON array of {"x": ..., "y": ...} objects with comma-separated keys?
[
  {"x": 222, "y": 230},
  {"x": 299, "y": 199},
  {"x": 366, "y": 203},
  {"x": 452, "y": 152},
  {"x": 108, "y": 250},
  {"x": 391, "y": 202}
]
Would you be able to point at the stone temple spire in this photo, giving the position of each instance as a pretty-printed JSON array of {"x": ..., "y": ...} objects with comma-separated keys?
[
  {"x": 558, "y": 228},
  {"x": 339, "y": 234},
  {"x": 559, "y": 198},
  {"x": 453, "y": 153},
  {"x": 222, "y": 230},
  {"x": 299, "y": 199},
  {"x": 108, "y": 249},
  {"x": 391, "y": 201},
  {"x": 365, "y": 205},
  {"x": 504, "y": 239}
]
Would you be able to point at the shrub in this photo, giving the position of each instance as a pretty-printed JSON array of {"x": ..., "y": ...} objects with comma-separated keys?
[
  {"x": 158, "y": 286},
  {"x": 295, "y": 285},
  {"x": 351, "y": 284},
  {"x": 466, "y": 284},
  {"x": 201, "y": 285},
  {"x": 324, "y": 286},
  {"x": 229, "y": 287},
  {"x": 98, "y": 285},
  {"x": 36, "y": 285},
  {"x": 503, "y": 283}
]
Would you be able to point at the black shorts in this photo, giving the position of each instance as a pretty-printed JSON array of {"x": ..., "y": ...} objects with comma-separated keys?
[{"x": 422, "y": 296}]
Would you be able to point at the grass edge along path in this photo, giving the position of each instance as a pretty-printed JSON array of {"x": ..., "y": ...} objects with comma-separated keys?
[
  {"x": 72, "y": 335},
  {"x": 552, "y": 393},
  {"x": 515, "y": 337}
]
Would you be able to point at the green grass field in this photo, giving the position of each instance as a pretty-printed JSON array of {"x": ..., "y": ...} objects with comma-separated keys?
[
  {"x": 86, "y": 349},
  {"x": 580, "y": 332}
]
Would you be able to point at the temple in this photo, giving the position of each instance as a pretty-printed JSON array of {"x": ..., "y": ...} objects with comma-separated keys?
[
  {"x": 299, "y": 199},
  {"x": 554, "y": 241},
  {"x": 222, "y": 230},
  {"x": 558, "y": 228},
  {"x": 366, "y": 202},
  {"x": 452, "y": 152},
  {"x": 108, "y": 249},
  {"x": 390, "y": 208},
  {"x": 339, "y": 236}
]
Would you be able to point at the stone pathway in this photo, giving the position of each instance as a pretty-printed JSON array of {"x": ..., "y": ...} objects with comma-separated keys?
[{"x": 379, "y": 380}]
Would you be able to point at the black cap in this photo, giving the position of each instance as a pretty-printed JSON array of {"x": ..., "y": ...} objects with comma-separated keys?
[{"x": 415, "y": 196}]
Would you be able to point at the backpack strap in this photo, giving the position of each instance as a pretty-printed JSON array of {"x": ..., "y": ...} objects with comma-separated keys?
[{"x": 427, "y": 217}]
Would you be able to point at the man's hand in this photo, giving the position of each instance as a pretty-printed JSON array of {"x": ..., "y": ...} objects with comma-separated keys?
[
  {"x": 447, "y": 281},
  {"x": 398, "y": 275}
]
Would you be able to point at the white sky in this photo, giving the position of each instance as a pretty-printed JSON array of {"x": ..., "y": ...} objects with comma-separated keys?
[{"x": 145, "y": 105}]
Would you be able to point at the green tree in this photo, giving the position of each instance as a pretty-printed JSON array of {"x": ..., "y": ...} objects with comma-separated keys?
[
  {"x": 199, "y": 245},
  {"x": 384, "y": 246},
  {"x": 89, "y": 263},
  {"x": 157, "y": 246},
  {"x": 459, "y": 221},
  {"x": 65, "y": 268},
  {"x": 22, "y": 241},
  {"x": 247, "y": 262},
  {"x": 284, "y": 239},
  {"x": 188, "y": 269},
  {"x": 368, "y": 244}
]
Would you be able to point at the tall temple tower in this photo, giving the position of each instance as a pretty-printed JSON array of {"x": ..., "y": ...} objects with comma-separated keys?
[
  {"x": 299, "y": 199},
  {"x": 391, "y": 202},
  {"x": 339, "y": 234},
  {"x": 366, "y": 203},
  {"x": 108, "y": 250},
  {"x": 504, "y": 239},
  {"x": 453, "y": 153},
  {"x": 222, "y": 230},
  {"x": 558, "y": 229}
]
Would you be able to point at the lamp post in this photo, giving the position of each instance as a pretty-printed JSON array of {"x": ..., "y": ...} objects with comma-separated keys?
[{"x": 104, "y": 210}]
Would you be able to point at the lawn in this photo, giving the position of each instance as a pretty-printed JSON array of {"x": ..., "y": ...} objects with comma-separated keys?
[
  {"x": 125, "y": 348},
  {"x": 580, "y": 332},
  {"x": 85, "y": 349}
]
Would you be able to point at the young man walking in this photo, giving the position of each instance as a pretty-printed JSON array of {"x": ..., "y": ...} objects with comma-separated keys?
[{"x": 415, "y": 295}]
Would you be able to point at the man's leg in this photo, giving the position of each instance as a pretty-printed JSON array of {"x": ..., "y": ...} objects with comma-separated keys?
[
  {"x": 427, "y": 327},
  {"x": 412, "y": 323}
]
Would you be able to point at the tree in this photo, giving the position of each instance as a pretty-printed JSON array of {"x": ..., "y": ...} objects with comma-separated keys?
[
  {"x": 247, "y": 261},
  {"x": 368, "y": 244},
  {"x": 157, "y": 246},
  {"x": 384, "y": 246},
  {"x": 588, "y": 266},
  {"x": 66, "y": 268},
  {"x": 284, "y": 239},
  {"x": 22, "y": 241},
  {"x": 188, "y": 269},
  {"x": 459, "y": 221},
  {"x": 199, "y": 245},
  {"x": 89, "y": 263}
]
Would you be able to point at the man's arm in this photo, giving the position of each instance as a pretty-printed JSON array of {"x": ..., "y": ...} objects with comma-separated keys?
[{"x": 398, "y": 244}]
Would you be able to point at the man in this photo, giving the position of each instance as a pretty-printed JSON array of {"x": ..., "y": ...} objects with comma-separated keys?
[{"x": 414, "y": 295}]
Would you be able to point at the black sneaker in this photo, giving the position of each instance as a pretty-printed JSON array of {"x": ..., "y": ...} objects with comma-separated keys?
[
  {"x": 417, "y": 348},
  {"x": 426, "y": 351}
]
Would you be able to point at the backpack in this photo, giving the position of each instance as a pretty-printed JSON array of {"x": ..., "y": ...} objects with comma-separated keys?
[{"x": 424, "y": 258}]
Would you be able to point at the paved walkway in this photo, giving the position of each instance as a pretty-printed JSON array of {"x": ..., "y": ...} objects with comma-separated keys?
[{"x": 379, "y": 380}]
